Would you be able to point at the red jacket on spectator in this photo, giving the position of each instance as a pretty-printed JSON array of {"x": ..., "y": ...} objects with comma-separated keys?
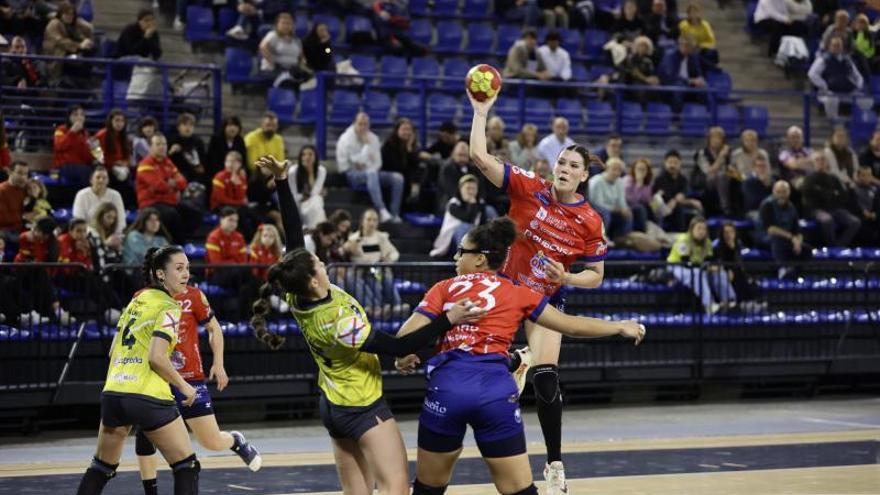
[
  {"x": 11, "y": 203},
  {"x": 261, "y": 255},
  {"x": 152, "y": 185},
  {"x": 71, "y": 147},
  {"x": 68, "y": 252},
  {"x": 223, "y": 248},
  {"x": 225, "y": 193},
  {"x": 5, "y": 156},
  {"x": 30, "y": 250},
  {"x": 118, "y": 155}
]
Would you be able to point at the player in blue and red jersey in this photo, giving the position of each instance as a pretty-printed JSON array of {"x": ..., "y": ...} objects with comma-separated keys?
[
  {"x": 469, "y": 382},
  {"x": 557, "y": 226}
]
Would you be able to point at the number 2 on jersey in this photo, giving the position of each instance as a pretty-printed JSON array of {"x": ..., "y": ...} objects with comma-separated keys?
[{"x": 462, "y": 286}]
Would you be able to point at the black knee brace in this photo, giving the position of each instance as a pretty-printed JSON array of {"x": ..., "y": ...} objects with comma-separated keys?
[
  {"x": 531, "y": 490},
  {"x": 143, "y": 445},
  {"x": 96, "y": 476},
  {"x": 545, "y": 380},
  {"x": 420, "y": 488},
  {"x": 186, "y": 476}
]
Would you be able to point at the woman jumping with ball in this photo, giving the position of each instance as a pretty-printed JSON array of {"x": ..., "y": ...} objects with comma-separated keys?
[{"x": 557, "y": 227}]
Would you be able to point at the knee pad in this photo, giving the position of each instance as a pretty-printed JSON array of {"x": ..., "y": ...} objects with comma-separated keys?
[
  {"x": 96, "y": 476},
  {"x": 142, "y": 445},
  {"x": 191, "y": 463},
  {"x": 531, "y": 490},
  {"x": 545, "y": 380},
  {"x": 108, "y": 470},
  {"x": 186, "y": 476},
  {"x": 420, "y": 488}
]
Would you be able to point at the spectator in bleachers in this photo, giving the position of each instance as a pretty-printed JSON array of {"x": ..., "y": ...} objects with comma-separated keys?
[
  {"x": 524, "y": 11},
  {"x": 647, "y": 6},
  {"x": 864, "y": 45},
  {"x": 825, "y": 199},
  {"x": 727, "y": 251},
  {"x": 772, "y": 16},
  {"x": 225, "y": 245},
  {"x": 187, "y": 150},
  {"x": 780, "y": 222},
  {"x": 116, "y": 150},
  {"x": 307, "y": 186},
  {"x": 608, "y": 197},
  {"x": 447, "y": 137},
  {"x": 835, "y": 76},
  {"x": 67, "y": 35},
  {"x": 682, "y": 67},
  {"x": 22, "y": 73},
  {"x": 452, "y": 170},
  {"x": 318, "y": 49},
  {"x": 543, "y": 170},
  {"x": 842, "y": 159},
  {"x": 700, "y": 29},
  {"x": 391, "y": 22},
  {"x": 867, "y": 198},
  {"x": 713, "y": 172},
  {"x": 359, "y": 156},
  {"x": 140, "y": 142},
  {"x": 638, "y": 68},
  {"x": 661, "y": 23},
  {"x": 555, "y": 13},
  {"x": 89, "y": 198},
  {"x": 794, "y": 157},
  {"x": 556, "y": 59},
  {"x": 464, "y": 211},
  {"x": 496, "y": 143},
  {"x": 71, "y": 150},
  {"x": 870, "y": 157},
  {"x": 27, "y": 19},
  {"x": 637, "y": 189},
  {"x": 401, "y": 154},
  {"x": 552, "y": 144},
  {"x": 141, "y": 38},
  {"x": 249, "y": 20},
  {"x": 229, "y": 188},
  {"x": 839, "y": 29},
  {"x": 146, "y": 232},
  {"x": 743, "y": 158},
  {"x": 613, "y": 149},
  {"x": 264, "y": 141},
  {"x": 266, "y": 248},
  {"x": 800, "y": 14},
  {"x": 523, "y": 61},
  {"x": 12, "y": 193},
  {"x": 36, "y": 203},
  {"x": 159, "y": 184},
  {"x": 673, "y": 187},
  {"x": 758, "y": 186},
  {"x": 107, "y": 243},
  {"x": 689, "y": 253},
  {"x": 524, "y": 149},
  {"x": 322, "y": 241},
  {"x": 227, "y": 139},
  {"x": 629, "y": 25},
  {"x": 282, "y": 53},
  {"x": 374, "y": 246},
  {"x": 39, "y": 245}
]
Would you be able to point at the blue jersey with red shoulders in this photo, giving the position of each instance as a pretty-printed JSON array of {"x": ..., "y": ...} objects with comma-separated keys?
[{"x": 564, "y": 232}]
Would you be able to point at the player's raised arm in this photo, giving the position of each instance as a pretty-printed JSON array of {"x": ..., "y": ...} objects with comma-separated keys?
[
  {"x": 290, "y": 216},
  {"x": 583, "y": 327},
  {"x": 490, "y": 166}
]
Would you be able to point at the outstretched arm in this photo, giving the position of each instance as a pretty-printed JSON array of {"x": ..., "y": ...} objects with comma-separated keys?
[
  {"x": 582, "y": 327},
  {"x": 290, "y": 216},
  {"x": 490, "y": 166}
]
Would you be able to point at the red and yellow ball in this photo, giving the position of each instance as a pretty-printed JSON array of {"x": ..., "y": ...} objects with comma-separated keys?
[{"x": 483, "y": 82}]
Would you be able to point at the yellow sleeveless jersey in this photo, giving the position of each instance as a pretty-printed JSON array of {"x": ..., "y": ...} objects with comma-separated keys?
[
  {"x": 335, "y": 330},
  {"x": 152, "y": 313}
]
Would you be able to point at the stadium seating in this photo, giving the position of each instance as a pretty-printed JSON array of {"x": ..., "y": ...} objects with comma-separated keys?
[{"x": 283, "y": 103}]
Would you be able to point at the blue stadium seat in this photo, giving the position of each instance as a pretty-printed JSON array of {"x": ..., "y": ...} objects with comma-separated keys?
[
  {"x": 506, "y": 36},
  {"x": 365, "y": 64},
  {"x": 579, "y": 73},
  {"x": 441, "y": 107},
  {"x": 539, "y": 112},
  {"x": 454, "y": 70},
  {"x": 409, "y": 287},
  {"x": 571, "y": 40},
  {"x": 507, "y": 107},
  {"x": 346, "y": 104},
  {"x": 283, "y": 103},
  {"x": 62, "y": 214},
  {"x": 756, "y": 118},
  {"x": 658, "y": 121},
  {"x": 378, "y": 107},
  {"x": 476, "y": 9},
  {"x": 200, "y": 24},
  {"x": 334, "y": 26},
  {"x": 409, "y": 106},
  {"x": 358, "y": 25},
  {"x": 721, "y": 82},
  {"x": 239, "y": 65},
  {"x": 394, "y": 72},
  {"x": 594, "y": 40},
  {"x": 695, "y": 120},
  {"x": 85, "y": 10},
  {"x": 571, "y": 109},
  {"x": 418, "y": 7},
  {"x": 426, "y": 67},
  {"x": 479, "y": 39},
  {"x": 302, "y": 26},
  {"x": 226, "y": 18},
  {"x": 194, "y": 251},
  {"x": 445, "y": 8},
  {"x": 421, "y": 31},
  {"x": 862, "y": 125},
  {"x": 599, "y": 70},
  {"x": 728, "y": 119},
  {"x": 599, "y": 117},
  {"x": 308, "y": 107},
  {"x": 875, "y": 88},
  {"x": 423, "y": 220},
  {"x": 631, "y": 118},
  {"x": 449, "y": 36}
]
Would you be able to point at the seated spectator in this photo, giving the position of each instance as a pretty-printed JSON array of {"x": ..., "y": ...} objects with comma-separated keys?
[
  {"x": 27, "y": 19},
  {"x": 629, "y": 25},
  {"x": 523, "y": 60},
  {"x": 774, "y": 18},
  {"x": 341, "y": 219},
  {"x": 825, "y": 199},
  {"x": 835, "y": 76},
  {"x": 519, "y": 11},
  {"x": 555, "y": 13},
  {"x": 757, "y": 187},
  {"x": 392, "y": 22},
  {"x": 637, "y": 187},
  {"x": 689, "y": 253},
  {"x": 307, "y": 186},
  {"x": 780, "y": 223},
  {"x": 89, "y": 198},
  {"x": 22, "y": 73},
  {"x": 496, "y": 143},
  {"x": 800, "y": 14},
  {"x": 712, "y": 172},
  {"x": 67, "y": 35},
  {"x": 727, "y": 251},
  {"x": 140, "y": 39},
  {"x": 839, "y": 29},
  {"x": 447, "y": 137},
  {"x": 401, "y": 154},
  {"x": 12, "y": 193},
  {"x": 743, "y": 158},
  {"x": 556, "y": 59},
  {"x": 463, "y": 212},
  {"x": 682, "y": 67},
  {"x": 359, "y": 156},
  {"x": 864, "y": 45},
  {"x": 146, "y": 232},
  {"x": 318, "y": 49},
  {"x": 700, "y": 29},
  {"x": 227, "y": 139},
  {"x": 552, "y": 144},
  {"x": 374, "y": 246},
  {"x": 140, "y": 142},
  {"x": 458, "y": 165},
  {"x": 608, "y": 197},
  {"x": 249, "y": 20},
  {"x": 867, "y": 196},
  {"x": 116, "y": 151},
  {"x": 39, "y": 245},
  {"x": 673, "y": 188},
  {"x": 266, "y": 248},
  {"x": 524, "y": 149},
  {"x": 322, "y": 242},
  {"x": 661, "y": 23},
  {"x": 795, "y": 157},
  {"x": 36, "y": 205},
  {"x": 264, "y": 141},
  {"x": 841, "y": 158},
  {"x": 106, "y": 244},
  {"x": 71, "y": 151},
  {"x": 282, "y": 54},
  {"x": 638, "y": 68},
  {"x": 613, "y": 149},
  {"x": 825, "y": 10},
  {"x": 226, "y": 246},
  {"x": 543, "y": 170},
  {"x": 870, "y": 157},
  {"x": 229, "y": 189},
  {"x": 159, "y": 184},
  {"x": 187, "y": 150}
]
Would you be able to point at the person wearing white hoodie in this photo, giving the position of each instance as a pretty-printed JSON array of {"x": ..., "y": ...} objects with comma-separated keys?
[{"x": 359, "y": 156}]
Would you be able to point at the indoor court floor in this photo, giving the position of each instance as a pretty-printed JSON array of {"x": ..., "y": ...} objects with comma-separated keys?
[{"x": 822, "y": 446}]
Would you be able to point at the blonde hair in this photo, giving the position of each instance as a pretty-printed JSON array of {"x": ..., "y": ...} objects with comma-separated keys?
[
  {"x": 255, "y": 241},
  {"x": 644, "y": 40},
  {"x": 44, "y": 193},
  {"x": 521, "y": 137}
]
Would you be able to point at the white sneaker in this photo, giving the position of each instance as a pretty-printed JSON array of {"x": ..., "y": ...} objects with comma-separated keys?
[
  {"x": 178, "y": 24},
  {"x": 385, "y": 216},
  {"x": 32, "y": 318},
  {"x": 519, "y": 374},
  {"x": 554, "y": 475},
  {"x": 237, "y": 32},
  {"x": 64, "y": 317}
]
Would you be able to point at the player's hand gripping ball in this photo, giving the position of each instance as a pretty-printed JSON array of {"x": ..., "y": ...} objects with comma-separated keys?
[{"x": 483, "y": 82}]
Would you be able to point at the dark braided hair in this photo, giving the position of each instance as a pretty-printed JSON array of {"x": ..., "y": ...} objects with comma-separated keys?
[
  {"x": 291, "y": 275},
  {"x": 156, "y": 259},
  {"x": 494, "y": 239}
]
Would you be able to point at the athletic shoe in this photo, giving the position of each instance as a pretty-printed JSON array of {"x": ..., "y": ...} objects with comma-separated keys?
[
  {"x": 178, "y": 24},
  {"x": 554, "y": 475},
  {"x": 247, "y": 452},
  {"x": 237, "y": 32},
  {"x": 519, "y": 374}
]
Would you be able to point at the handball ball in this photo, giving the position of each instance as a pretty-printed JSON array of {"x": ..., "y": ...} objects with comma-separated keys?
[{"x": 483, "y": 82}]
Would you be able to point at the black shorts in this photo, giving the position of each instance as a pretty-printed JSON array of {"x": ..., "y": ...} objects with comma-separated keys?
[
  {"x": 132, "y": 410},
  {"x": 353, "y": 421}
]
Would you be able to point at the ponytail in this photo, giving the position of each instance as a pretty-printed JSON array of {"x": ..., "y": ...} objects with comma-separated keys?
[
  {"x": 261, "y": 309},
  {"x": 494, "y": 240},
  {"x": 292, "y": 275}
]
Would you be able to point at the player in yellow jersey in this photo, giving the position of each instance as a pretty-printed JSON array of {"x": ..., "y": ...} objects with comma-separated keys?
[
  {"x": 367, "y": 444},
  {"x": 136, "y": 392}
]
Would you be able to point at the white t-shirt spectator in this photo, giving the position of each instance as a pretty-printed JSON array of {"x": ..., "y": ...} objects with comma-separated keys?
[
  {"x": 550, "y": 147},
  {"x": 86, "y": 202},
  {"x": 350, "y": 150},
  {"x": 287, "y": 52},
  {"x": 558, "y": 62}
]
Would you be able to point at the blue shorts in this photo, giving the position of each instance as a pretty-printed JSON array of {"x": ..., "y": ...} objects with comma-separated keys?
[
  {"x": 202, "y": 405},
  {"x": 477, "y": 390},
  {"x": 557, "y": 300}
]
